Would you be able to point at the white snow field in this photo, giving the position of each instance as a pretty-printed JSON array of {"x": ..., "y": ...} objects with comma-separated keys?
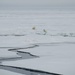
[{"x": 44, "y": 40}]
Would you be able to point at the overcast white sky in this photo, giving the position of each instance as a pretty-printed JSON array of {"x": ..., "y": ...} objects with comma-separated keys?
[{"x": 43, "y": 3}]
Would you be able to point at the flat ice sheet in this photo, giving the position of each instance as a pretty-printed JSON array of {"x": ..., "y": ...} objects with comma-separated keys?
[
  {"x": 4, "y": 72},
  {"x": 56, "y": 59}
]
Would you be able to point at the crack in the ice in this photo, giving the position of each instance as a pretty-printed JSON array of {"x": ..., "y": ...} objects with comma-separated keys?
[
  {"x": 12, "y": 35},
  {"x": 27, "y": 53},
  {"x": 21, "y": 55},
  {"x": 26, "y": 71},
  {"x": 23, "y": 48}
]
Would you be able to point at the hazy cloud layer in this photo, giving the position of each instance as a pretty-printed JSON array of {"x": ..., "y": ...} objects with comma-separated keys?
[{"x": 38, "y": 3}]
